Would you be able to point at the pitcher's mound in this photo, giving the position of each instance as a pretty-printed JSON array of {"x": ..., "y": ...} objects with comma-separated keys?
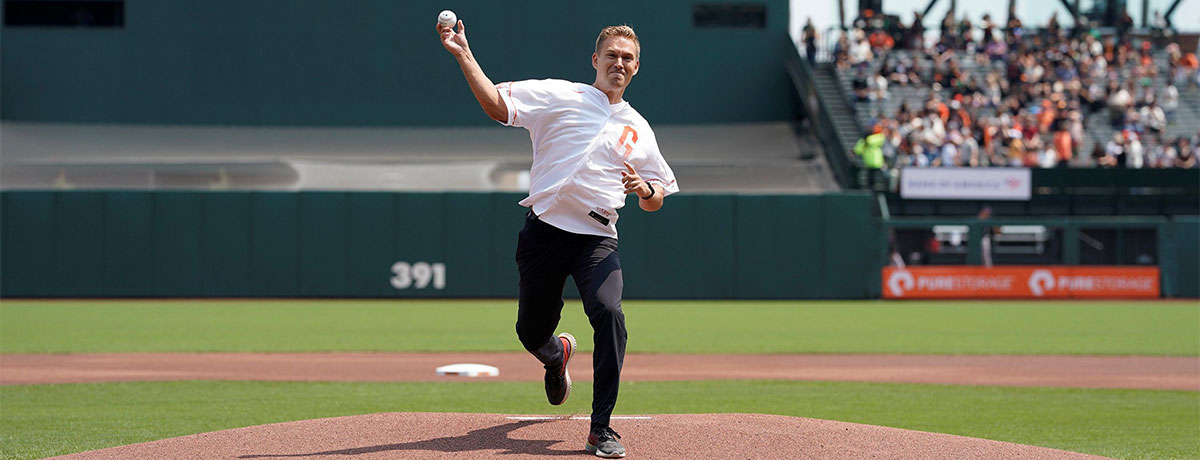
[{"x": 441, "y": 436}]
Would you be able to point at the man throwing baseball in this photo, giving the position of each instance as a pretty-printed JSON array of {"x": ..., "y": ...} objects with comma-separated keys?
[{"x": 590, "y": 149}]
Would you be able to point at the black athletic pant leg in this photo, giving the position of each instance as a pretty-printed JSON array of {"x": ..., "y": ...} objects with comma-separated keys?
[
  {"x": 597, "y": 274},
  {"x": 545, "y": 257},
  {"x": 543, "y": 272}
]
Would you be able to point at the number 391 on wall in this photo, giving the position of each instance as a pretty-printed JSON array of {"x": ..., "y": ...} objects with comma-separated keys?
[{"x": 418, "y": 275}]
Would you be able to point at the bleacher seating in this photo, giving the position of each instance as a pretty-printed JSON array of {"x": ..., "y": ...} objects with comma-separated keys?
[{"x": 1096, "y": 126}]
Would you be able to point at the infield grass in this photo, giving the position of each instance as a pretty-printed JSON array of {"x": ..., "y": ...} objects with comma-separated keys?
[
  {"x": 697, "y": 327},
  {"x": 46, "y": 420}
]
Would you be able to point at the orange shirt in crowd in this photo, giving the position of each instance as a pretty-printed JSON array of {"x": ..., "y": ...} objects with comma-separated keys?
[
  {"x": 1046, "y": 116},
  {"x": 1189, "y": 61},
  {"x": 881, "y": 40},
  {"x": 964, "y": 116},
  {"x": 1062, "y": 145}
]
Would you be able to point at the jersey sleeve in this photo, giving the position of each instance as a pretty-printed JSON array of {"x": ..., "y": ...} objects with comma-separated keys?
[
  {"x": 529, "y": 101},
  {"x": 654, "y": 168}
]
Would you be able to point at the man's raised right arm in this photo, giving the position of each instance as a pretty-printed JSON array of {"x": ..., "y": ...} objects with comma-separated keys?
[{"x": 485, "y": 92}]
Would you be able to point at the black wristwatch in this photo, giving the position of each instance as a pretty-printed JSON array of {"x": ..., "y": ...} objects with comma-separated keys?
[{"x": 651, "y": 195}]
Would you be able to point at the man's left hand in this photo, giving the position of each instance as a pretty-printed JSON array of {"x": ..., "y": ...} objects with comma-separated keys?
[{"x": 634, "y": 183}]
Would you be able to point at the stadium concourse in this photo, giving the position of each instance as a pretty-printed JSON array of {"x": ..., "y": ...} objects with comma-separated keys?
[{"x": 773, "y": 157}]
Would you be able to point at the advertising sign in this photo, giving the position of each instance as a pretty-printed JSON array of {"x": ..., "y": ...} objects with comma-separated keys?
[
  {"x": 966, "y": 183},
  {"x": 934, "y": 282}
]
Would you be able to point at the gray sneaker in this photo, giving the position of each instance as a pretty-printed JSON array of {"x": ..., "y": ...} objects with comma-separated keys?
[
  {"x": 603, "y": 443},
  {"x": 558, "y": 381}
]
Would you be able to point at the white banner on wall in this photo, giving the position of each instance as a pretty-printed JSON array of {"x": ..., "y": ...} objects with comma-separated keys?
[{"x": 966, "y": 183}]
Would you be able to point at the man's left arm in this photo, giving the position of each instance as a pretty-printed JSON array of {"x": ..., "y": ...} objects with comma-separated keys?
[
  {"x": 655, "y": 201},
  {"x": 650, "y": 196}
]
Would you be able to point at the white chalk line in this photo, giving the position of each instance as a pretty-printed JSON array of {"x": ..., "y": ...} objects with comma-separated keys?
[{"x": 543, "y": 417}]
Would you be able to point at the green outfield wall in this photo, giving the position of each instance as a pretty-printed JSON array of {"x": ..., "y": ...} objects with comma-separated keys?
[
  {"x": 359, "y": 244},
  {"x": 1185, "y": 259},
  {"x": 380, "y": 63}
]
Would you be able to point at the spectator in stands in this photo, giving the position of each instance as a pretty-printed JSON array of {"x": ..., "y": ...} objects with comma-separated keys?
[
  {"x": 915, "y": 72},
  {"x": 1153, "y": 117},
  {"x": 1013, "y": 29},
  {"x": 948, "y": 155},
  {"x": 949, "y": 37},
  {"x": 994, "y": 90},
  {"x": 860, "y": 51},
  {"x": 881, "y": 40},
  {"x": 1124, "y": 25},
  {"x": 1185, "y": 153},
  {"x": 1075, "y": 127},
  {"x": 1171, "y": 152},
  {"x": 1051, "y": 32},
  {"x": 895, "y": 71},
  {"x": 860, "y": 86},
  {"x": 1093, "y": 96},
  {"x": 877, "y": 87},
  {"x": 915, "y": 39},
  {"x": 992, "y": 138},
  {"x": 841, "y": 52},
  {"x": 1064, "y": 145},
  {"x": 969, "y": 149},
  {"x": 1161, "y": 155},
  {"x": 1175, "y": 71},
  {"x": 1170, "y": 102},
  {"x": 1190, "y": 69},
  {"x": 1114, "y": 151},
  {"x": 1120, "y": 99},
  {"x": 1159, "y": 31},
  {"x": 1135, "y": 152},
  {"x": 966, "y": 38},
  {"x": 809, "y": 37},
  {"x": 1027, "y": 99}
]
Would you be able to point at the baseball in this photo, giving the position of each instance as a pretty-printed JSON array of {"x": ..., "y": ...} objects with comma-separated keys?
[{"x": 447, "y": 18}]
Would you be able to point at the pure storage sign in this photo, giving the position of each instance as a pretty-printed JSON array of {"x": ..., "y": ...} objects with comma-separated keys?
[{"x": 1019, "y": 282}]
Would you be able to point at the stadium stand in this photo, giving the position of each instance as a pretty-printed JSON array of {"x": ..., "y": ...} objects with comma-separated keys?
[{"x": 1023, "y": 86}]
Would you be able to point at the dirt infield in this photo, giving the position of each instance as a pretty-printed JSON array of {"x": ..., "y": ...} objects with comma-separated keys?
[
  {"x": 1137, "y": 372},
  {"x": 456, "y": 436}
]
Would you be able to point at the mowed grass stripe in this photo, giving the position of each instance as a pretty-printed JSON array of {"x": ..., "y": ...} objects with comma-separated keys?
[
  {"x": 46, "y": 420},
  {"x": 697, "y": 327}
]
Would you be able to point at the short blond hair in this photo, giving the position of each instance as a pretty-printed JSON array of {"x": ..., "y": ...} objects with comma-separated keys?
[{"x": 618, "y": 31}]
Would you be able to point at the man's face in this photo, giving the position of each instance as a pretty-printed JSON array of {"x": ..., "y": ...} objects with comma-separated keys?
[{"x": 616, "y": 63}]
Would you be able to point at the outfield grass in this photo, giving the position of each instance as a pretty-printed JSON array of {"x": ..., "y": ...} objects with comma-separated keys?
[
  {"x": 46, "y": 420},
  {"x": 963, "y": 327}
]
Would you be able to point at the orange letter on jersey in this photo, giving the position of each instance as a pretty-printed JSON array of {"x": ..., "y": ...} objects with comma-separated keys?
[{"x": 628, "y": 147}]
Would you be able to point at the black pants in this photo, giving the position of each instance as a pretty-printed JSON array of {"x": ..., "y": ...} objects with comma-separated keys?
[{"x": 546, "y": 255}]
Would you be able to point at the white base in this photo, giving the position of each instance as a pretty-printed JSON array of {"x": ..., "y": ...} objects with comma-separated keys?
[{"x": 469, "y": 370}]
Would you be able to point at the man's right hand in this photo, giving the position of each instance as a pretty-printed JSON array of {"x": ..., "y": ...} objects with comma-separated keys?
[
  {"x": 455, "y": 43},
  {"x": 484, "y": 90}
]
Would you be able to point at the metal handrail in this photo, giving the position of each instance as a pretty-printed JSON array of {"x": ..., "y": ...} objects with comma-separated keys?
[{"x": 816, "y": 108}]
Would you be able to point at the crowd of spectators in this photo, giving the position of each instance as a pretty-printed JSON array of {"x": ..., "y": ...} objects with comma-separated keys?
[{"x": 1029, "y": 99}]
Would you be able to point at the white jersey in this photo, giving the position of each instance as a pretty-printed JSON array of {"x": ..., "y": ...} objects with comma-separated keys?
[{"x": 580, "y": 144}]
